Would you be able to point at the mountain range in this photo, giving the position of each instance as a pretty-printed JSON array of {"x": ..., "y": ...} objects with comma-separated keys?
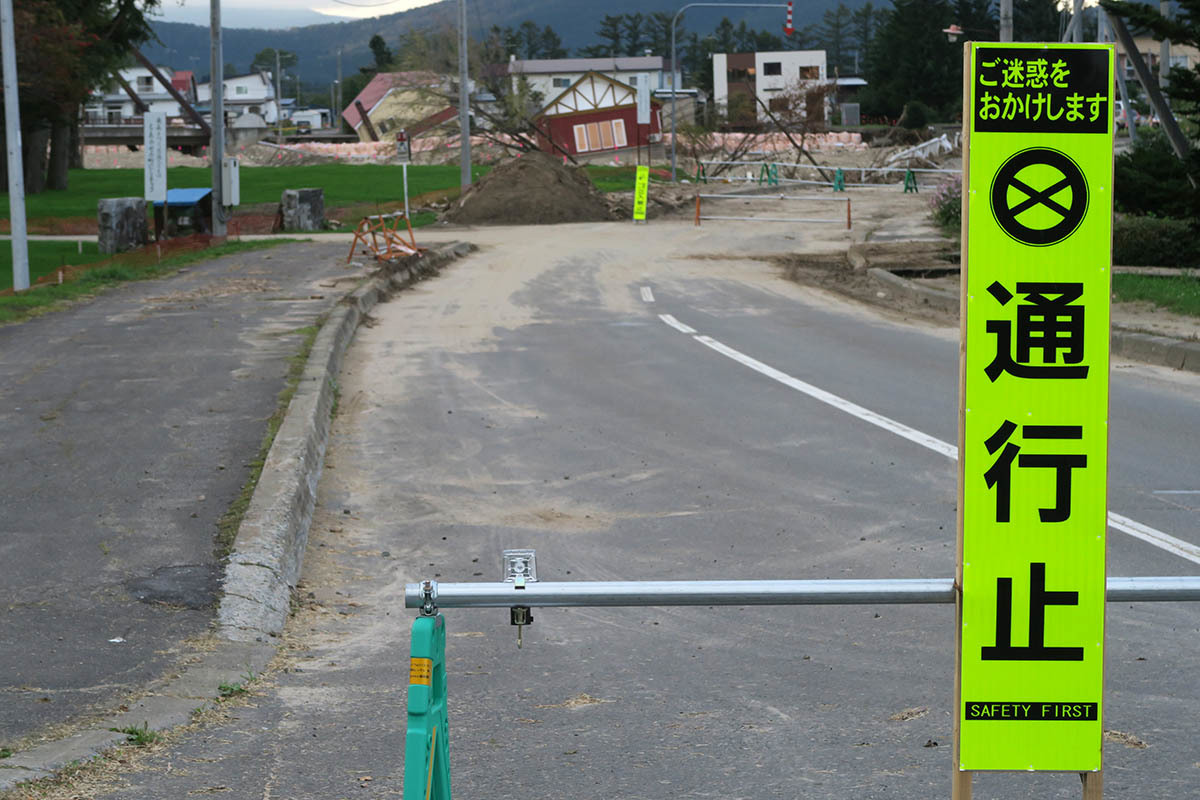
[{"x": 185, "y": 46}]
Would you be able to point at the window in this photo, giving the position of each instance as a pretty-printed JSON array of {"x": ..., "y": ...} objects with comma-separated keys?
[
  {"x": 778, "y": 104},
  {"x": 561, "y": 83},
  {"x": 633, "y": 80},
  {"x": 810, "y": 73},
  {"x": 603, "y": 135},
  {"x": 145, "y": 83},
  {"x": 241, "y": 90},
  {"x": 772, "y": 68}
]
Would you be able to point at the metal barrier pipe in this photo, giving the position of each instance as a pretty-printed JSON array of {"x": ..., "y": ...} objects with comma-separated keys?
[
  {"x": 791, "y": 165},
  {"x": 748, "y": 593}
]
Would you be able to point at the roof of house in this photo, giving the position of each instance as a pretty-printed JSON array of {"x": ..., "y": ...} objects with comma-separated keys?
[
  {"x": 618, "y": 64},
  {"x": 379, "y": 87},
  {"x": 183, "y": 80},
  {"x": 592, "y": 91}
]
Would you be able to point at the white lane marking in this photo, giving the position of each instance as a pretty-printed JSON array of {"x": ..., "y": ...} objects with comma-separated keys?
[
  {"x": 865, "y": 414},
  {"x": 647, "y": 295},
  {"x": 676, "y": 324},
  {"x": 1124, "y": 524},
  {"x": 1155, "y": 537},
  {"x": 1176, "y": 491}
]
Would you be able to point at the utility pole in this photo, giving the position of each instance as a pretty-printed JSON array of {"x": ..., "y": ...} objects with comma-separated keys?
[
  {"x": 12, "y": 135},
  {"x": 337, "y": 110},
  {"x": 216, "y": 147},
  {"x": 1164, "y": 47},
  {"x": 278, "y": 100},
  {"x": 1006, "y": 28},
  {"x": 464, "y": 99}
]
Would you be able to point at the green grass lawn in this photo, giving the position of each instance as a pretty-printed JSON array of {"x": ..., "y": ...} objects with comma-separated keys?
[
  {"x": 620, "y": 179},
  {"x": 46, "y": 257},
  {"x": 1178, "y": 293},
  {"x": 344, "y": 185}
]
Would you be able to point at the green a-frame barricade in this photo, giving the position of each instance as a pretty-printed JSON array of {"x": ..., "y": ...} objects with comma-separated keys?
[
  {"x": 910, "y": 182},
  {"x": 769, "y": 174},
  {"x": 427, "y": 743}
]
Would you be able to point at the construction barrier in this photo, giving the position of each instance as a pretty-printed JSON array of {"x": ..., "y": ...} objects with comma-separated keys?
[
  {"x": 380, "y": 235},
  {"x": 839, "y": 181},
  {"x": 427, "y": 743},
  {"x": 427, "y": 765},
  {"x": 700, "y": 216}
]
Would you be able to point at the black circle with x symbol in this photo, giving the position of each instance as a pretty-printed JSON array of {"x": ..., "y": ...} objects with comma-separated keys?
[{"x": 1069, "y": 215}]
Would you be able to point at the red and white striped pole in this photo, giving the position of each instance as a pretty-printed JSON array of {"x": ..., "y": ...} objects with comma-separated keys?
[{"x": 788, "y": 30}]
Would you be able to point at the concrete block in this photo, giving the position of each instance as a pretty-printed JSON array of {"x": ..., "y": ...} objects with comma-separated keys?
[
  {"x": 303, "y": 209},
  {"x": 122, "y": 224}
]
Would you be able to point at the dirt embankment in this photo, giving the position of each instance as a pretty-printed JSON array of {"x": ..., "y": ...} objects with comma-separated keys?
[{"x": 534, "y": 189}]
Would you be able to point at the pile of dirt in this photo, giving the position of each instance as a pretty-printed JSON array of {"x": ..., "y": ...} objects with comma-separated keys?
[{"x": 532, "y": 189}]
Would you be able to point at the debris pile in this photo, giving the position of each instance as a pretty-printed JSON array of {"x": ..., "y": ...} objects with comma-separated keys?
[{"x": 532, "y": 189}]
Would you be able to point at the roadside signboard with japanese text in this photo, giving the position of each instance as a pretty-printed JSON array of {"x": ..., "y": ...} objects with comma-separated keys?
[
  {"x": 640, "y": 190},
  {"x": 154, "y": 150},
  {"x": 1037, "y": 235}
]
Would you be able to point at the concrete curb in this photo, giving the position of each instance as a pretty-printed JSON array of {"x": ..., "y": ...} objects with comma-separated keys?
[
  {"x": 268, "y": 552},
  {"x": 1146, "y": 348}
]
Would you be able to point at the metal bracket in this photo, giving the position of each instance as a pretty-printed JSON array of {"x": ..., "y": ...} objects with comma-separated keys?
[
  {"x": 429, "y": 599},
  {"x": 519, "y": 567}
]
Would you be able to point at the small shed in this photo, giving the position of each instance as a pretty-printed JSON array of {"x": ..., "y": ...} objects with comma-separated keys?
[{"x": 596, "y": 114}]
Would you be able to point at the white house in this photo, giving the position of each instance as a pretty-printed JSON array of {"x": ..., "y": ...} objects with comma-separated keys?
[
  {"x": 552, "y": 76},
  {"x": 114, "y": 105},
  {"x": 764, "y": 79},
  {"x": 252, "y": 93}
]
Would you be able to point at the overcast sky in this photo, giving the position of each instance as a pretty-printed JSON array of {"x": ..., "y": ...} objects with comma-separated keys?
[{"x": 280, "y": 13}]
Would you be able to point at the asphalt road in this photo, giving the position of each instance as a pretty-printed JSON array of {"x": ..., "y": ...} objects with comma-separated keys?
[
  {"x": 127, "y": 424},
  {"x": 528, "y": 398}
]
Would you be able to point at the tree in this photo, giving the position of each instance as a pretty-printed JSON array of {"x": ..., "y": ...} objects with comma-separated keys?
[
  {"x": 658, "y": 32},
  {"x": 834, "y": 35},
  {"x": 631, "y": 27},
  {"x": 911, "y": 59},
  {"x": 379, "y": 49},
  {"x": 610, "y": 34},
  {"x": 1183, "y": 88},
  {"x": 1036, "y": 21},
  {"x": 264, "y": 60},
  {"x": 66, "y": 49},
  {"x": 550, "y": 44},
  {"x": 863, "y": 23}
]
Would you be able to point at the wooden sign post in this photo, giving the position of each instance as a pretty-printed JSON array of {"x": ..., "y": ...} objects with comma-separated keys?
[{"x": 1033, "y": 415}]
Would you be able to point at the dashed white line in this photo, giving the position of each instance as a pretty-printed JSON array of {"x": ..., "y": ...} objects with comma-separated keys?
[
  {"x": 676, "y": 324},
  {"x": 1124, "y": 524},
  {"x": 647, "y": 295},
  {"x": 1176, "y": 491}
]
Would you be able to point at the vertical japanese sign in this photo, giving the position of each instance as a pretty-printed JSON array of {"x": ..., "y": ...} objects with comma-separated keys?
[
  {"x": 640, "y": 189},
  {"x": 154, "y": 149},
  {"x": 1034, "y": 431}
]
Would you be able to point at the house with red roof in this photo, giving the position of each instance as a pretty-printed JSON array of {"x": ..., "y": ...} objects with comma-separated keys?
[{"x": 395, "y": 101}]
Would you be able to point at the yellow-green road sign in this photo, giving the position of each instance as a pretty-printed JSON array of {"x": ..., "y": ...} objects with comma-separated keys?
[
  {"x": 640, "y": 190},
  {"x": 1034, "y": 436}
]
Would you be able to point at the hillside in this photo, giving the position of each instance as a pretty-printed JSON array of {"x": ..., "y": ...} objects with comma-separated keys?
[{"x": 186, "y": 46}]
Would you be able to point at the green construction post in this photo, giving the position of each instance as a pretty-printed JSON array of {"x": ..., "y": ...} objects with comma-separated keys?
[
  {"x": 427, "y": 745},
  {"x": 701, "y": 173},
  {"x": 910, "y": 182},
  {"x": 839, "y": 181}
]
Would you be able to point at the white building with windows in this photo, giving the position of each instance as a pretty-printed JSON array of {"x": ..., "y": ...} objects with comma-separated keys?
[
  {"x": 765, "y": 78},
  {"x": 552, "y": 76},
  {"x": 251, "y": 93},
  {"x": 113, "y": 105}
]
